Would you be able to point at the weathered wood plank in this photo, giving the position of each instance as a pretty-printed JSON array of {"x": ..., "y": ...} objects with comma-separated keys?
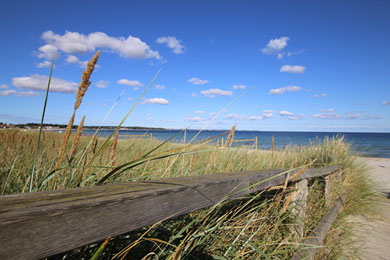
[
  {"x": 36, "y": 225},
  {"x": 299, "y": 204},
  {"x": 316, "y": 239}
]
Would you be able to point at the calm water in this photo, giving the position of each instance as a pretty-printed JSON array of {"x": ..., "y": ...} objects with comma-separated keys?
[{"x": 366, "y": 144}]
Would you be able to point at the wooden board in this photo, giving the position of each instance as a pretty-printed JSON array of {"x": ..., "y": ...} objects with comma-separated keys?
[{"x": 37, "y": 225}]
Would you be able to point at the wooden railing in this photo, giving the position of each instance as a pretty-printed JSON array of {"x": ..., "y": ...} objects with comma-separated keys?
[{"x": 41, "y": 224}]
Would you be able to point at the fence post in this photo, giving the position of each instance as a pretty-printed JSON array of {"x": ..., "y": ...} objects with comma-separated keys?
[
  {"x": 256, "y": 143},
  {"x": 222, "y": 143},
  {"x": 299, "y": 199},
  {"x": 273, "y": 146},
  {"x": 328, "y": 190}
]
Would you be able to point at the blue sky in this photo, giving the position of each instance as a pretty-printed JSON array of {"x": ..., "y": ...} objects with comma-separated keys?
[{"x": 287, "y": 65}]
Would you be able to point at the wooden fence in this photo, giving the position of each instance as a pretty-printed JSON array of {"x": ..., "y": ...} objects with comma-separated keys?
[
  {"x": 41, "y": 224},
  {"x": 254, "y": 140}
]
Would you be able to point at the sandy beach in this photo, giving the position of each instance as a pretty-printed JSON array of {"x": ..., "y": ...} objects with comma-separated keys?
[{"x": 373, "y": 233}]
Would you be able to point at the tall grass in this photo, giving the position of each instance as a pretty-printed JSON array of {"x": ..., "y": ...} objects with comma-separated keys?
[
  {"x": 247, "y": 228},
  {"x": 259, "y": 226}
]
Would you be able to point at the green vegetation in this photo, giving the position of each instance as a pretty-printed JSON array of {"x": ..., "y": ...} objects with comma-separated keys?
[
  {"x": 259, "y": 226},
  {"x": 254, "y": 227}
]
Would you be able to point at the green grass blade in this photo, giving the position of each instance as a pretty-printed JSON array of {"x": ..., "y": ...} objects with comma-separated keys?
[
  {"x": 117, "y": 128},
  {"x": 40, "y": 129}
]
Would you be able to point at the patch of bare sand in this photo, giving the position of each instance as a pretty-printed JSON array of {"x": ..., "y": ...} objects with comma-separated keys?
[{"x": 373, "y": 233}]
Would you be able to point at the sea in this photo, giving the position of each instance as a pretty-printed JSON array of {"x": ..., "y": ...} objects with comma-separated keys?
[{"x": 363, "y": 144}]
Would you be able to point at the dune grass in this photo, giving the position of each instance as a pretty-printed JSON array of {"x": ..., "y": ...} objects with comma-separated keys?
[
  {"x": 258, "y": 226},
  {"x": 254, "y": 227}
]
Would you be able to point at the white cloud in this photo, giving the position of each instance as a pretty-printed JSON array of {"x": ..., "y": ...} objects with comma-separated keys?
[
  {"x": 172, "y": 43},
  {"x": 39, "y": 82},
  {"x": 386, "y": 103},
  {"x": 280, "y": 55},
  {"x": 159, "y": 87},
  {"x": 279, "y": 91},
  {"x": 47, "y": 52},
  {"x": 327, "y": 116},
  {"x": 347, "y": 116},
  {"x": 275, "y": 45},
  {"x": 350, "y": 115},
  {"x": 129, "y": 98},
  {"x": 12, "y": 92},
  {"x": 238, "y": 117},
  {"x": 255, "y": 118},
  {"x": 199, "y": 112},
  {"x": 193, "y": 94},
  {"x": 268, "y": 113},
  {"x": 235, "y": 117},
  {"x": 45, "y": 64},
  {"x": 74, "y": 42},
  {"x": 327, "y": 110},
  {"x": 293, "y": 69},
  {"x": 286, "y": 113},
  {"x": 132, "y": 83},
  {"x": 3, "y": 86},
  {"x": 102, "y": 84},
  {"x": 160, "y": 101},
  {"x": 321, "y": 95},
  {"x": 9, "y": 92},
  {"x": 74, "y": 60},
  {"x": 197, "y": 81},
  {"x": 235, "y": 87},
  {"x": 216, "y": 92},
  {"x": 194, "y": 119},
  {"x": 292, "y": 116}
]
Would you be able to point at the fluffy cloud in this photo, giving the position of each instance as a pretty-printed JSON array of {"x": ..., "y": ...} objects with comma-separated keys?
[
  {"x": 3, "y": 86},
  {"x": 279, "y": 91},
  {"x": 268, "y": 113},
  {"x": 293, "y": 69},
  {"x": 292, "y": 116},
  {"x": 132, "y": 83},
  {"x": 197, "y": 81},
  {"x": 386, "y": 103},
  {"x": 327, "y": 110},
  {"x": 322, "y": 95},
  {"x": 159, "y": 87},
  {"x": 216, "y": 92},
  {"x": 160, "y": 101},
  {"x": 74, "y": 60},
  {"x": 199, "y": 112},
  {"x": 39, "y": 82},
  {"x": 194, "y": 119},
  {"x": 235, "y": 87},
  {"x": 347, "y": 116},
  {"x": 102, "y": 84},
  {"x": 172, "y": 43},
  {"x": 327, "y": 116},
  {"x": 45, "y": 64},
  {"x": 12, "y": 92},
  {"x": 274, "y": 46},
  {"x": 74, "y": 42},
  {"x": 350, "y": 115},
  {"x": 238, "y": 117},
  {"x": 47, "y": 52}
]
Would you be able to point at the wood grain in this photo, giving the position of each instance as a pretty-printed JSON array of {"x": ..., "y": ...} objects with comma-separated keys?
[{"x": 37, "y": 225}]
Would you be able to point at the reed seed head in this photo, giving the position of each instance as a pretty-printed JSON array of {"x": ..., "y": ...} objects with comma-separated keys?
[{"x": 85, "y": 83}]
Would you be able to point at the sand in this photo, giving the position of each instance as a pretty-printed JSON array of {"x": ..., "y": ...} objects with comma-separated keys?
[{"x": 373, "y": 233}]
